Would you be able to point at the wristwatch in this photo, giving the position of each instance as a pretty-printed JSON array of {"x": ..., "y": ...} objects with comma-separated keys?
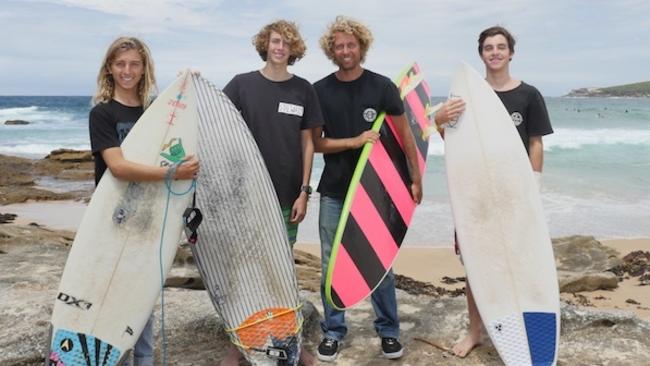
[{"x": 306, "y": 189}]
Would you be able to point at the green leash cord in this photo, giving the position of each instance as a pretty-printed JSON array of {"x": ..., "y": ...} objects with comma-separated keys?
[{"x": 169, "y": 177}]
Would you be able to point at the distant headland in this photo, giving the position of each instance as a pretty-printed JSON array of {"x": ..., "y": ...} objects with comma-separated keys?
[{"x": 638, "y": 90}]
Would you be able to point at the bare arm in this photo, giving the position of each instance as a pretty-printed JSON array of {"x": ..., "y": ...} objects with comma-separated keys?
[
  {"x": 536, "y": 152},
  {"x": 329, "y": 145},
  {"x": 307, "y": 155},
  {"x": 450, "y": 111},
  {"x": 127, "y": 170},
  {"x": 299, "y": 208},
  {"x": 411, "y": 155}
]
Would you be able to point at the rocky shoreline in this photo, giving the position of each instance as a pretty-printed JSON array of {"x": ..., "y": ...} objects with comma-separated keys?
[
  {"x": 19, "y": 181},
  {"x": 433, "y": 317}
]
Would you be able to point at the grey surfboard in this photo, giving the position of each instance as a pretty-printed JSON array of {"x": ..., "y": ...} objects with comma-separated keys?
[{"x": 242, "y": 252}]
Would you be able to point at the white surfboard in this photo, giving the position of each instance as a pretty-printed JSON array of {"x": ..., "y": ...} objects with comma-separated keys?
[
  {"x": 502, "y": 232},
  {"x": 243, "y": 252},
  {"x": 112, "y": 278}
]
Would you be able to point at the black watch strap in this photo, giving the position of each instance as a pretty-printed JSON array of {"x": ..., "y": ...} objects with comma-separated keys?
[{"x": 306, "y": 189}]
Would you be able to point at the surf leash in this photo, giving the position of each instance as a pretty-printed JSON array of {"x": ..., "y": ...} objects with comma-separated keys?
[
  {"x": 192, "y": 218},
  {"x": 169, "y": 178}
]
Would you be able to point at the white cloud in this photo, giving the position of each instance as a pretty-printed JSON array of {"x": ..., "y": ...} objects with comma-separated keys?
[
  {"x": 561, "y": 44},
  {"x": 188, "y": 13}
]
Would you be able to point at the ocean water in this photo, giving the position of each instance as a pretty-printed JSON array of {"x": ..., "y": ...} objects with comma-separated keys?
[
  {"x": 55, "y": 122},
  {"x": 596, "y": 177}
]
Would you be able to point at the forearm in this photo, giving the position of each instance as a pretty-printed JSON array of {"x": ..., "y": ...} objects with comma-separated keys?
[
  {"x": 307, "y": 156},
  {"x": 327, "y": 145},
  {"x": 135, "y": 172},
  {"x": 131, "y": 171},
  {"x": 449, "y": 111},
  {"x": 438, "y": 119},
  {"x": 536, "y": 153}
]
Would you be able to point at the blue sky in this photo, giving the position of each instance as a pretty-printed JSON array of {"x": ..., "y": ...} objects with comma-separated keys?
[{"x": 54, "y": 47}]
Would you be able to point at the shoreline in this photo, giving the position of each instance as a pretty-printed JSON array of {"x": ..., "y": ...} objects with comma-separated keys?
[
  {"x": 44, "y": 213},
  {"x": 417, "y": 263},
  {"x": 428, "y": 263}
]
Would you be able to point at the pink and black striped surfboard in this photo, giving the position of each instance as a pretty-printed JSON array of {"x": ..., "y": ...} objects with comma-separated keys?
[{"x": 378, "y": 206}]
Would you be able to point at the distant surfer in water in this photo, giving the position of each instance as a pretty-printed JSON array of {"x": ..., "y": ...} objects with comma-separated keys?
[
  {"x": 281, "y": 110},
  {"x": 526, "y": 107},
  {"x": 351, "y": 99},
  {"x": 125, "y": 85}
]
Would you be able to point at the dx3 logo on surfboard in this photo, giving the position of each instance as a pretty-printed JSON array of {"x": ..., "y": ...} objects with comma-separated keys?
[{"x": 73, "y": 301}]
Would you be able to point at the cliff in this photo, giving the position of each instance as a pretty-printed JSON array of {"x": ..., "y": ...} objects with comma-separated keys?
[{"x": 638, "y": 90}]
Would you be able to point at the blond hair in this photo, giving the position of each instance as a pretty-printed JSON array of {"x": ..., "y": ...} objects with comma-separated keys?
[
  {"x": 106, "y": 84},
  {"x": 350, "y": 26},
  {"x": 289, "y": 32}
]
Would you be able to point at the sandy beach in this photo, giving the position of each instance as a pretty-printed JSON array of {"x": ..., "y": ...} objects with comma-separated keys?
[
  {"x": 433, "y": 263},
  {"x": 583, "y": 333},
  {"x": 426, "y": 264}
]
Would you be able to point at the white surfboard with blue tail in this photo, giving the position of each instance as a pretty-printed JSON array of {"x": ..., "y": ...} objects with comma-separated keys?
[{"x": 501, "y": 228}]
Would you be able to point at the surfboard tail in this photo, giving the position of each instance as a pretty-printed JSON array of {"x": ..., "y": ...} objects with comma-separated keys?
[
  {"x": 529, "y": 338},
  {"x": 71, "y": 348},
  {"x": 270, "y": 334}
]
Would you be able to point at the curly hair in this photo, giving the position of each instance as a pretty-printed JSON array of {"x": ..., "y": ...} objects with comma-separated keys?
[
  {"x": 106, "y": 84},
  {"x": 349, "y": 26},
  {"x": 290, "y": 34}
]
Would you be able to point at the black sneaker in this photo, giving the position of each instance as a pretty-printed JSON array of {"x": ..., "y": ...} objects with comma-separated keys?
[
  {"x": 328, "y": 349},
  {"x": 391, "y": 348}
]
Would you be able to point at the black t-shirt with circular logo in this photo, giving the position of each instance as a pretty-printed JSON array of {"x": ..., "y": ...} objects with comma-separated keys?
[
  {"x": 349, "y": 109},
  {"x": 527, "y": 109}
]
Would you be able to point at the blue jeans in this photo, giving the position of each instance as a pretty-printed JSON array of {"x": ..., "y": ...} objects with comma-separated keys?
[
  {"x": 143, "y": 350},
  {"x": 383, "y": 298}
]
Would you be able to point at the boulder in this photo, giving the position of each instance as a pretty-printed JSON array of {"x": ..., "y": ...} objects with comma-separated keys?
[
  {"x": 70, "y": 155},
  {"x": 7, "y": 218},
  {"x": 583, "y": 264},
  {"x": 586, "y": 281}
]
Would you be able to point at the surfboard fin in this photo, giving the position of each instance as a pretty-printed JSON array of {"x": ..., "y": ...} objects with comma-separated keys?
[{"x": 277, "y": 353}]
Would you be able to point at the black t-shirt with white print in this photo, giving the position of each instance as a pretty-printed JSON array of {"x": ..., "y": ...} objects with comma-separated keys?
[
  {"x": 527, "y": 109},
  {"x": 109, "y": 123},
  {"x": 276, "y": 113},
  {"x": 350, "y": 108}
]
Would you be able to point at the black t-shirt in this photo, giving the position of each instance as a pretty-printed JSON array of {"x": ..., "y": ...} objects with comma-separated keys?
[
  {"x": 276, "y": 113},
  {"x": 527, "y": 110},
  {"x": 349, "y": 109},
  {"x": 109, "y": 123}
]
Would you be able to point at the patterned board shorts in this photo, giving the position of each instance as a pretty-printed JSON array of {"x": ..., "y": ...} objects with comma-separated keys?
[{"x": 292, "y": 229}]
